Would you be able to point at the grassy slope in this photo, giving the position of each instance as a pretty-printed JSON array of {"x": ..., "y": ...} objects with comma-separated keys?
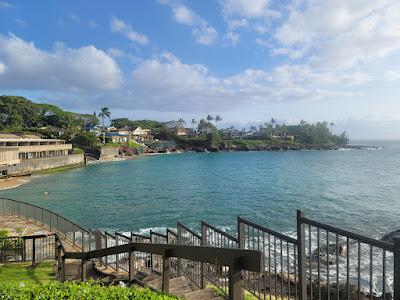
[{"x": 19, "y": 272}]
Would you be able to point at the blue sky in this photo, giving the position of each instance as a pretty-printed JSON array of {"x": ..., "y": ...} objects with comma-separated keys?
[{"x": 246, "y": 60}]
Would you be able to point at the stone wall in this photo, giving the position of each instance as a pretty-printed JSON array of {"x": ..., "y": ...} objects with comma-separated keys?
[
  {"x": 109, "y": 152},
  {"x": 38, "y": 164}
]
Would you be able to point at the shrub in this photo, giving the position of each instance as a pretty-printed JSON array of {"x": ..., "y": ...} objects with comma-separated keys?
[
  {"x": 77, "y": 151},
  {"x": 71, "y": 290}
]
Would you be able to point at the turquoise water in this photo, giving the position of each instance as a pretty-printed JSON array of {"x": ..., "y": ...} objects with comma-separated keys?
[{"x": 352, "y": 189}]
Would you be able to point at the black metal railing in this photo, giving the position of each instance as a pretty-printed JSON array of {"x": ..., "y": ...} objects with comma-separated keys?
[
  {"x": 316, "y": 261},
  {"x": 215, "y": 273},
  {"x": 236, "y": 259},
  {"x": 338, "y": 264},
  {"x": 172, "y": 238},
  {"x": 156, "y": 260},
  {"x": 54, "y": 222},
  {"x": 33, "y": 248},
  {"x": 279, "y": 277},
  {"x": 191, "y": 269}
]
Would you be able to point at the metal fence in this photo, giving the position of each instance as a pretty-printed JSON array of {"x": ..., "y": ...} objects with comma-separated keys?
[
  {"x": 33, "y": 248},
  {"x": 279, "y": 278},
  {"x": 142, "y": 260},
  {"x": 316, "y": 261},
  {"x": 191, "y": 269},
  {"x": 172, "y": 238},
  {"x": 215, "y": 273},
  {"x": 339, "y": 264},
  {"x": 156, "y": 260},
  {"x": 76, "y": 234}
]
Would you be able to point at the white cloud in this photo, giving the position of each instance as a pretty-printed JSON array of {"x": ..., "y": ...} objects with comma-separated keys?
[
  {"x": 2, "y": 68},
  {"x": 5, "y": 4},
  {"x": 118, "y": 25},
  {"x": 167, "y": 84},
  {"x": 203, "y": 33},
  {"x": 341, "y": 34},
  {"x": 245, "y": 8},
  {"x": 74, "y": 17},
  {"x": 392, "y": 75},
  {"x": 233, "y": 37},
  {"x": 83, "y": 69},
  {"x": 115, "y": 52}
]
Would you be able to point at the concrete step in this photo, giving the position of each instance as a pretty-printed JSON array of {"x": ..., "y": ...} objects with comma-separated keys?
[
  {"x": 208, "y": 294},
  {"x": 182, "y": 287}
]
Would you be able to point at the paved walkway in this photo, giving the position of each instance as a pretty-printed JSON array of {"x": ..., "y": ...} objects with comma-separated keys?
[{"x": 17, "y": 226}]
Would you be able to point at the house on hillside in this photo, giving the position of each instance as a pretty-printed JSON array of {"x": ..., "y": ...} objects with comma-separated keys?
[
  {"x": 140, "y": 134},
  {"x": 278, "y": 134},
  {"x": 117, "y": 137}
]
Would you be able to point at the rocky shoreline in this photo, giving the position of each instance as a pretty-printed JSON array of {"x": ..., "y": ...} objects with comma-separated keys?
[{"x": 264, "y": 147}]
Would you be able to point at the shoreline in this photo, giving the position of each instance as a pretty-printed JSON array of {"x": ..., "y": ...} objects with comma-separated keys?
[{"x": 13, "y": 182}]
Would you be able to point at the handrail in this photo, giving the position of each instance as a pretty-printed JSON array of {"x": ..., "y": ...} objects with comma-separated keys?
[
  {"x": 158, "y": 234},
  {"x": 45, "y": 209},
  {"x": 140, "y": 236},
  {"x": 270, "y": 231},
  {"x": 225, "y": 234},
  {"x": 351, "y": 235},
  {"x": 179, "y": 224},
  {"x": 169, "y": 230},
  {"x": 250, "y": 260},
  {"x": 122, "y": 235}
]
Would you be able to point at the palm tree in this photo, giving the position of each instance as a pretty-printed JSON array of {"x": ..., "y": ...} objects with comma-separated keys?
[
  {"x": 331, "y": 124},
  {"x": 181, "y": 122},
  {"x": 210, "y": 118},
  {"x": 193, "y": 122},
  {"x": 218, "y": 118},
  {"x": 104, "y": 113}
]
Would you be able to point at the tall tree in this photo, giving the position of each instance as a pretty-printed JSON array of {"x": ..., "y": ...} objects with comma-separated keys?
[
  {"x": 193, "y": 122},
  {"x": 218, "y": 118},
  {"x": 210, "y": 118},
  {"x": 104, "y": 113},
  {"x": 181, "y": 123}
]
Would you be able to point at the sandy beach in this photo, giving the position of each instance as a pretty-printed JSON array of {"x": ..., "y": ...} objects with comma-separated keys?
[{"x": 13, "y": 182}]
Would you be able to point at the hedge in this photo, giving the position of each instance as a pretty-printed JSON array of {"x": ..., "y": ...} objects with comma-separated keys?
[{"x": 76, "y": 291}]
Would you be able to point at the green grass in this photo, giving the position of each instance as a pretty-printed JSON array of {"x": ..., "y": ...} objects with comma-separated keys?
[
  {"x": 76, "y": 291},
  {"x": 24, "y": 272}
]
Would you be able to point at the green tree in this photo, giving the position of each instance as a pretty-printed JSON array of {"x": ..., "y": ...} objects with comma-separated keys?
[{"x": 104, "y": 113}]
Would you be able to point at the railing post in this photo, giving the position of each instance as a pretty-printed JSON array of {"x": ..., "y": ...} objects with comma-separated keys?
[
  {"x": 23, "y": 250},
  {"x": 165, "y": 273},
  {"x": 203, "y": 243},
  {"x": 4, "y": 205},
  {"x": 301, "y": 255},
  {"x": 33, "y": 251},
  {"x": 63, "y": 269},
  {"x": 84, "y": 269},
  {"x": 131, "y": 265},
  {"x": 179, "y": 242},
  {"x": 235, "y": 282},
  {"x": 241, "y": 237},
  {"x": 106, "y": 257},
  {"x": 151, "y": 255},
  {"x": 396, "y": 253},
  {"x": 117, "y": 255}
]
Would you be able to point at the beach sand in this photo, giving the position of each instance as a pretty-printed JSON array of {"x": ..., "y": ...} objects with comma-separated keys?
[{"x": 13, "y": 182}]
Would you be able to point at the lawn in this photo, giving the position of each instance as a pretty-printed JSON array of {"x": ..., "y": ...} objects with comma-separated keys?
[{"x": 24, "y": 272}]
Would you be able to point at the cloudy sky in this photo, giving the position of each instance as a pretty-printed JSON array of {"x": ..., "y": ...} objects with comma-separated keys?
[{"x": 248, "y": 60}]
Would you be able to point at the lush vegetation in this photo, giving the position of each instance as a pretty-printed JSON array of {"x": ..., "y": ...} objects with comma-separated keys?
[
  {"x": 21, "y": 114},
  {"x": 69, "y": 290},
  {"x": 158, "y": 129},
  {"x": 7, "y": 243},
  {"x": 24, "y": 272}
]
